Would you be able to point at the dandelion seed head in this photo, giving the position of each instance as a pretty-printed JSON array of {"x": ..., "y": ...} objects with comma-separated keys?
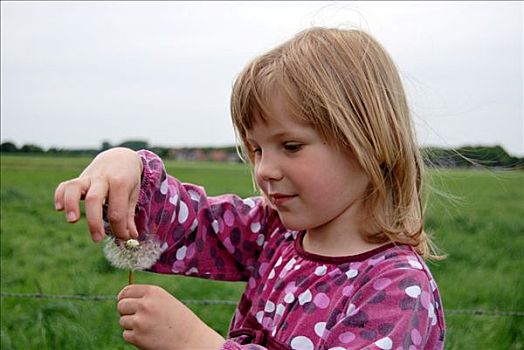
[{"x": 133, "y": 254}]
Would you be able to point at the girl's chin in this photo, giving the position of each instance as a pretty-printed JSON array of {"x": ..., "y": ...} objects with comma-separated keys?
[{"x": 292, "y": 225}]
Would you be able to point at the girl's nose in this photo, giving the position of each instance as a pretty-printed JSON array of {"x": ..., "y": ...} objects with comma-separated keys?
[{"x": 268, "y": 168}]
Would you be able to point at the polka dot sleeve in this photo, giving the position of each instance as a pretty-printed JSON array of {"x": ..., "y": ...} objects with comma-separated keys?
[{"x": 211, "y": 237}]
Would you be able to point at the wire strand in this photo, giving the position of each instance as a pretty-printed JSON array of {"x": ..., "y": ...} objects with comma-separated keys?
[
  {"x": 474, "y": 312},
  {"x": 103, "y": 298}
]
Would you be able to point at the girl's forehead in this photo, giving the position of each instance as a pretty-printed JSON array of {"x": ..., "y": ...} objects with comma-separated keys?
[{"x": 278, "y": 125}]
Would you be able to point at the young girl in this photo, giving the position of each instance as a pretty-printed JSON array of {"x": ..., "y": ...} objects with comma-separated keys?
[{"x": 332, "y": 251}]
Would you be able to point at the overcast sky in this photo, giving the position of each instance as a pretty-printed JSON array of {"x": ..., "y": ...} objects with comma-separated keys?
[{"x": 75, "y": 74}]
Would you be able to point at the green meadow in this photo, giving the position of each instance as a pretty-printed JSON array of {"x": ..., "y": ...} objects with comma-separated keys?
[{"x": 476, "y": 217}]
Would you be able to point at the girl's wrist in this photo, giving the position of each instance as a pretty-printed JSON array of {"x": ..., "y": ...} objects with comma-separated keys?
[{"x": 212, "y": 339}]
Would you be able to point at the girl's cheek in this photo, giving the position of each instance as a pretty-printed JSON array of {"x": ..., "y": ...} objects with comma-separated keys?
[{"x": 261, "y": 184}]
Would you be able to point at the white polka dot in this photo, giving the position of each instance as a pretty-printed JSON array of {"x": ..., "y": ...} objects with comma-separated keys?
[
  {"x": 183, "y": 213},
  {"x": 384, "y": 343},
  {"x": 260, "y": 239},
  {"x": 289, "y": 298},
  {"x": 301, "y": 343},
  {"x": 431, "y": 312},
  {"x": 194, "y": 195},
  {"x": 433, "y": 285},
  {"x": 181, "y": 253},
  {"x": 337, "y": 348},
  {"x": 351, "y": 273},
  {"x": 280, "y": 309},
  {"x": 415, "y": 264},
  {"x": 249, "y": 202},
  {"x": 194, "y": 225},
  {"x": 321, "y": 270},
  {"x": 413, "y": 291},
  {"x": 271, "y": 274},
  {"x": 192, "y": 271},
  {"x": 163, "y": 187},
  {"x": 214, "y": 224},
  {"x": 173, "y": 199},
  {"x": 270, "y": 306},
  {"x": 290, "y": 264},
  {"x": 255, "y": 227},
  {"x": 279, "y": 261},
  {"x": 319, "y": 328},
  {"x": 305, "y": 297},
  {"x": 297, "y": 267},
  {"x": 259, "y": 316},
  {"x": 351, "y": 310}
]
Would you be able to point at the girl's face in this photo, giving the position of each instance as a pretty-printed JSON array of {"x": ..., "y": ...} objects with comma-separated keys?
[{"x": 310, "y": 183}]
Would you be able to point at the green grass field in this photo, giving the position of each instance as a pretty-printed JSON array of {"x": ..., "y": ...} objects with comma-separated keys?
[{"x": 482, "y": 233}]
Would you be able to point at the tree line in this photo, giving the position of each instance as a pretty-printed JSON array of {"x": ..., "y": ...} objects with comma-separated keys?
[{"x": 462, "y": 157}]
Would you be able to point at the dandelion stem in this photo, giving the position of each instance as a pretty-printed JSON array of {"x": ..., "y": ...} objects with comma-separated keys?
[{"x": 130, "y": 277}]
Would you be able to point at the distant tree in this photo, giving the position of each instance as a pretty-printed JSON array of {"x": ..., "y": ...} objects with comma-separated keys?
[
  {"x": 31, "y": 149},
  {"x": 162, "y": 152},
  {"x": 8, "y": 147},
  {"x": 105, "y": 146},
  {"x": 135, "y": 144},
  {"x": 54, "y": 150},
  {"x": 471, "y": 156}
]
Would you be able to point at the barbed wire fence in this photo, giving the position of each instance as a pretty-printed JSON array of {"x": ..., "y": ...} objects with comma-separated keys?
[{"x": 95, "y": 298}]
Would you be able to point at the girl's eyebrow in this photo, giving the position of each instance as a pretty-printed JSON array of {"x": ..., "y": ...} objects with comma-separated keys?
[{"x": 277, "y": 135}]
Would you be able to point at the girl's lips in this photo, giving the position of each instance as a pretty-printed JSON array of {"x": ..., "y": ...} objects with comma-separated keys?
[{"x": 279, "y": 198}]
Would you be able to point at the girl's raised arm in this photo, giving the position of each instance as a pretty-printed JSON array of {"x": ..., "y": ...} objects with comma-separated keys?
[{"x": 216, "y": 237}]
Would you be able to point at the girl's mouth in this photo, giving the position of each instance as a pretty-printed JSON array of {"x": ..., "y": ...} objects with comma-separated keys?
[{"x": 279, "y": 199}]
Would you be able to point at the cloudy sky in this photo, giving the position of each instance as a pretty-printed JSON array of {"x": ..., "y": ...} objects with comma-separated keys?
[{"x": 75, "y": 74}]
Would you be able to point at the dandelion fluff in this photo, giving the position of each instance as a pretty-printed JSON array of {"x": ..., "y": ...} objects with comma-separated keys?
[{"x": 132, "y": 254}]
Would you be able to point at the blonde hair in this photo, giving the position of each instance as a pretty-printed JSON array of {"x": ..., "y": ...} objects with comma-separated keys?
[{"x": 345, "y": 85}]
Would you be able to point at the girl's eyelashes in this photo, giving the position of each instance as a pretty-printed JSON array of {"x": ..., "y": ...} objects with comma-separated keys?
[
  {"x": 254, "y": 149},
  {"x": 292, "y": 146}
]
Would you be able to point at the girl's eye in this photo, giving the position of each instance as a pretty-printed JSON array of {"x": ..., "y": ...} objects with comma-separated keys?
[
  {"x": 256, "y": 150},
  {"x": 292, "y": 147}
]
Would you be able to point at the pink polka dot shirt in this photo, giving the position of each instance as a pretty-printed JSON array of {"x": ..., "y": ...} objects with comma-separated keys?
[{"x": 385, "y": 298}]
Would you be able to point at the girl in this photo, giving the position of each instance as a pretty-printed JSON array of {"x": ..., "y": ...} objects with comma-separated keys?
[{"x": 332, "y": 251}]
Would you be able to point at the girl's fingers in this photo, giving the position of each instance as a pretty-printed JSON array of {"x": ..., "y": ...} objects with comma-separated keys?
[
  {"x": 131, "y": 226},
  {"x": 118, "y": 209},
  {"x": 133, "y": 291},
  {"x": 73, "y": 190},
  {"x": 59, "y": 197},
  {"x": 126, "y": 322},
  {"x": 127, "y": 306},
  {"x": 94, "y": 202},
  {"x": 129, "y": 336}
]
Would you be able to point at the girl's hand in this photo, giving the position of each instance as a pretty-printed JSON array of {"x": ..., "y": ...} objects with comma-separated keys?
[
  {"x": 154, "y": 319},
  {"x": 113, "y": 177}
]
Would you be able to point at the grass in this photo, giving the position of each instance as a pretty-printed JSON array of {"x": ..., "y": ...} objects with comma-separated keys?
[{"x": 482, "y": 233}]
